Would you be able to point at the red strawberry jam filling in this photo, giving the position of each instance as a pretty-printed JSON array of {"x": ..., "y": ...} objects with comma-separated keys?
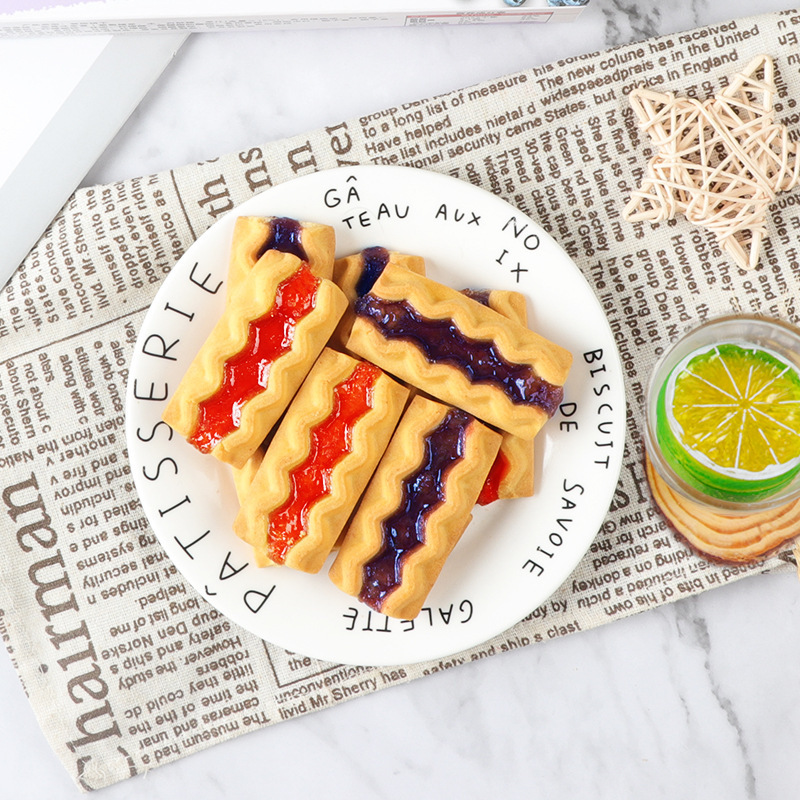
[
  {"x": 246, "y": 374},
  {"x": 442, "y": 342},
  {"x": 491, "y": 487},
  {"x": 422, "y": 493},
  {"x": 331, "y": 441}
]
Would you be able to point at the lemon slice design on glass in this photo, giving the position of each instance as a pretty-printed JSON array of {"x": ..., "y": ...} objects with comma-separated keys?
[{"x": 728, "y": 421}]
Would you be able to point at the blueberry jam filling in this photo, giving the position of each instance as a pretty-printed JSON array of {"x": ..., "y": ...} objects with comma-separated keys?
[
  {"x": 375, "y": 260},
  {"x": 423, "y": 491},
  {"x": 285, "y": 236},
  {"x": 442, "y": 342}
]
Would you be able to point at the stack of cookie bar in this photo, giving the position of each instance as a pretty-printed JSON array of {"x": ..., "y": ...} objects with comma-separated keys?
[{"x": 364, "y": 406}]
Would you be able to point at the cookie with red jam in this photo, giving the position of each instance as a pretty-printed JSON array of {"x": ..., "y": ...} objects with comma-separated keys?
[
  {"x": 246, "y": 372},
  {"x": 319, "y": 461}
]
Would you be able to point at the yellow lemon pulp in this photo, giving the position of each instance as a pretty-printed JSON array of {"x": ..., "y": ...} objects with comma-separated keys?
[{"x": 732, "y": 420}]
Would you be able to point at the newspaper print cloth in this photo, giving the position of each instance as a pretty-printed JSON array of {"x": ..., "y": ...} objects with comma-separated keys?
[{"x": 125, "y": 665}]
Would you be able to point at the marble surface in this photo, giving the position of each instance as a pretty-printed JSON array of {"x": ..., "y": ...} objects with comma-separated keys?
[{"x": 696, "y": 699}]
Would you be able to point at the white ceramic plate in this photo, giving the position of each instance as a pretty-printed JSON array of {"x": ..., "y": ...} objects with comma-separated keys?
[{"x": 514, "y": 554}]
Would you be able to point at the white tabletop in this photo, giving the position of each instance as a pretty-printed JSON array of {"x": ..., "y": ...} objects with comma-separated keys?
[{"x": 695, "y": 699}]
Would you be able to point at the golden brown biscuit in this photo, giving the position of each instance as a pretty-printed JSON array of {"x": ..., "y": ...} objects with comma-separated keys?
[
  {"x": 272, "y": 330},
  {"x": 511, "y": 474},
  {"x": 415, "y": 509},
  {"x": 460, "y": 351},
  {"x": 243, "y": 476},
  {"x": 319, "y": 461},
  {"x": 355, "y": 276},
  {"x": 510, "y": 304},
  {"x": 242, "y": 480},
  {"x": 254, "y": 236}
]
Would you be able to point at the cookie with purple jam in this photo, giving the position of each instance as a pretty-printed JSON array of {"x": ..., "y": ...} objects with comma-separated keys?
[
  {"x": 461, "y": 352},
  {"x": 415, "y": 509},
  {"x": 356, "y": 274}
]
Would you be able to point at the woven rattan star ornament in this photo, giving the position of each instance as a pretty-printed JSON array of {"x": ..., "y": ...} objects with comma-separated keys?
[{"x": 720, "y": 162}]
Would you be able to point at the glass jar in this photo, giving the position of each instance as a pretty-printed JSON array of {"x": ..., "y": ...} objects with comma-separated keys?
[{"x": 701, "y": 441}]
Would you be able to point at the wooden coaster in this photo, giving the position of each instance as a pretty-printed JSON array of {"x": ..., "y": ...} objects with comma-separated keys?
[{"x": 738, "y": 539}]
